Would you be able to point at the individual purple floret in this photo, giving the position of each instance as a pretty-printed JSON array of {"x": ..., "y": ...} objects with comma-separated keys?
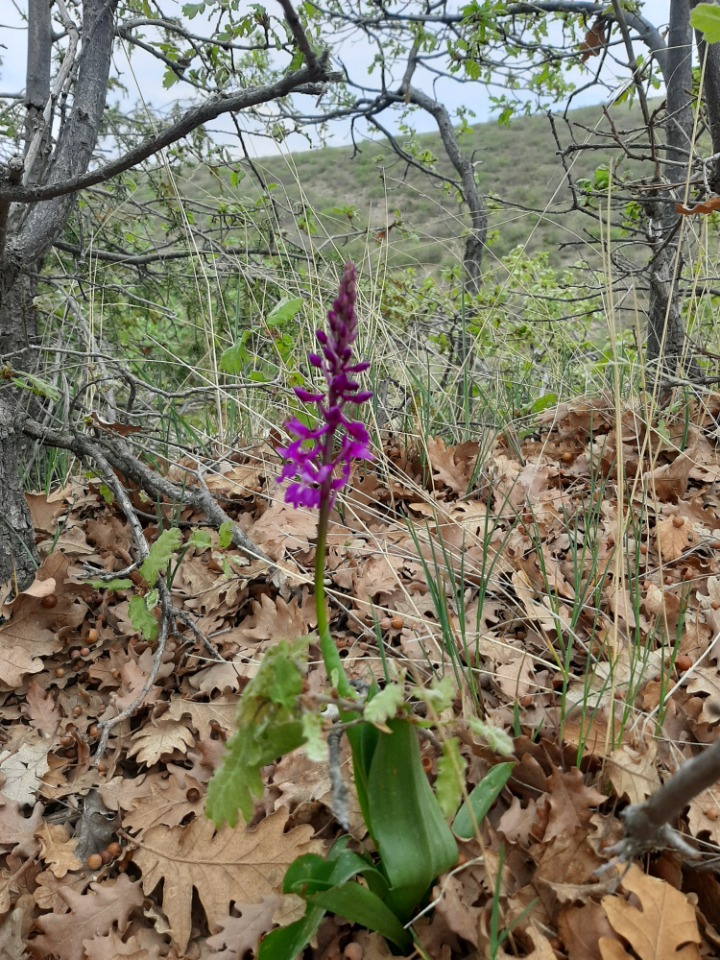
[{"x": 315, "y": 456}]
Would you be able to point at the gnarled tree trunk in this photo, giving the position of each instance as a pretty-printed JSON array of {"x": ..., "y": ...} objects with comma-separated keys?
[
  {"x": 666, "y": 350},
  {"x": 18, "y": 333},
  {"x": 37, "y": 194},
  {"x": 27, "y": 231}
]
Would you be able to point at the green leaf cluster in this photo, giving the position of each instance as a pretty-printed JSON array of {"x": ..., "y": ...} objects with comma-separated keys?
[
  {"x": 413, "y": 840},
  {"x": 405, "y": 818},
  {"x": 327, "y": 885},
  {"x": 269, "y": 725},
  {"x": 161, "y": 552}
]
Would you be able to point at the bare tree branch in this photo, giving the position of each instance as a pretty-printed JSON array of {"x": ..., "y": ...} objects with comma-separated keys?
[
  {"x": 116, "y": 452},
  {"x": 477, "y": 238},
  {"x": 37, "y": 81},
  {"x": 193, "y": 118},
  {"x": 647, "y": 824},
  {"x": 299, "y": 35}
]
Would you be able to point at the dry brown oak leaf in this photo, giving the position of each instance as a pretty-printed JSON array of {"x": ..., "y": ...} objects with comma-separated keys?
[
  {"x": 41, "y": 710},
  {"x": 571, "y": 803},
  {"x": 237, "y": 865},
  {"x": 241, "y": 935},
  {"x": 91, "y": 914},
  {"x": 57, "y": 849},
  {"x": 152, "y": 800},
  {"x": 112, "y": 947},
  {"x": 31, "y": 629},
  {"x": 23, "y": 765},
  {"x": 663, "y": 927},
  {"x": 12, "y": 940}
]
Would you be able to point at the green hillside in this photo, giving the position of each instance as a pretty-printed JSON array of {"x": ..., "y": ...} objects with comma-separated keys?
[{"x": 344, "y": 196}]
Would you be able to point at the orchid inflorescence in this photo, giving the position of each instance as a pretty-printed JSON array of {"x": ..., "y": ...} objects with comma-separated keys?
[{"x": 314, "y": 456}]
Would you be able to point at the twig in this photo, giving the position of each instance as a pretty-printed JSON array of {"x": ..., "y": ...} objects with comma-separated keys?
[
  {"x": 114, "y": 574},
  {"x": 299, "y": 34},
  {"x": 647, "y": 824},
  {"x": 114, "y": 450},
  {"x": 190, "y": 120},
  {"x": 166, "y": 619},
  {"x": 185, "y": 618}
]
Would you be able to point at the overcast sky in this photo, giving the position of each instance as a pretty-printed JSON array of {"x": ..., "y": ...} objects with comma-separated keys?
[{"x": 143, "y": 77}]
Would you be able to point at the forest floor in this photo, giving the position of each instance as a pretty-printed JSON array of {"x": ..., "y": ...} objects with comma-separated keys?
[{"x": 579, "y": 613}]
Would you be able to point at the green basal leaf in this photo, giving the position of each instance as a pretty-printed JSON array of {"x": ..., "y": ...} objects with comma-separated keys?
[
  {"x": 284, "y": 311},
  {"x": 360, "y": 905},
  {"x": 312, "y": 873},
  {"x": 142, "y": 619},
  {"x": 160, "y": 554},
  {"x": 412, "y": 837},
  {"x": 363, "y": 740},
  {"x": 287, "y": 943},
  {"x": 481, "y": 800},
  {"x": 450, "y": 777},
  {"x": 385, "y": 705},
  {"x": 306, "y": 876},
  {"x": 269, "y": 725},
  {"x": 705, "y": 17}
]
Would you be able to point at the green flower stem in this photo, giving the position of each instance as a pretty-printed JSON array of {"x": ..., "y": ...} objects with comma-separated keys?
[
  {"x": 361, "y": 736},
  {"x": 331, "y": 657}
]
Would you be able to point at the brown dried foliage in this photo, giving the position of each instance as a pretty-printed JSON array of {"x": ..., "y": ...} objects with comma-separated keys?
[{"x": 580, "y": 614}]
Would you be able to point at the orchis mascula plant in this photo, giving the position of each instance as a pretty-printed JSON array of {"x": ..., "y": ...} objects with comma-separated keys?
[
  {"x": 402, "y": 814},
  {"x": 319, "y": 460}
]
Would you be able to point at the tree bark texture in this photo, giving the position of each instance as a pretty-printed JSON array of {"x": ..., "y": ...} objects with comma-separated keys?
[
  {"x": 17, "y": 332},
  {"x": 30, "y": 231},
  {"x": 666, "y": 330},
  {"x": 17, "y": 541}
]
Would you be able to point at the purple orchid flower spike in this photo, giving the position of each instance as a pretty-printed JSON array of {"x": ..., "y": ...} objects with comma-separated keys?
[{"x": 319, "y": 460}]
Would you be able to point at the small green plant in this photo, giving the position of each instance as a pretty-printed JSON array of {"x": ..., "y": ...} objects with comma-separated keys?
[{"x": 165, "y": 556}]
